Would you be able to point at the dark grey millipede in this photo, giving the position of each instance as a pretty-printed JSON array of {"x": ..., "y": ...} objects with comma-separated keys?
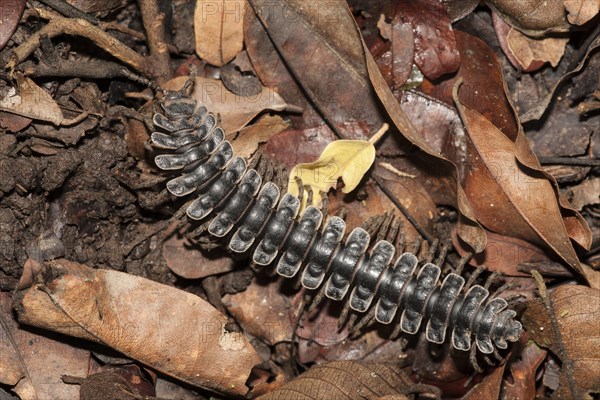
[{"x": 252, "y": 217}]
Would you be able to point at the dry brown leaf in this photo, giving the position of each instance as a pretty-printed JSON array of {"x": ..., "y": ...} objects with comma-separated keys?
[
  {"x": 247, "y": 140},
  {"x": 168, "y": 329},
  {"x": 322, "y": 49},
  {"x": 235, "y": 111},
  {"x": 189, "y": 262},
  {"x": 537, "y": 111},
  {"x": 31, "y": 101},
  {"x": 11, "y": 12},
  {"x": 585, "y": 194},
  {"x": 218, "y": 27},
  {"x": 510, "y": 199},
  {"x": 567, "y": 324},
  {"x": 524, "y": 372},
  {"x": 435, "y": 46},
  {"x": 504, "y": 254},
  {"x": 263, "y": 311},
  {"x": 32, "y": 365},
  {"x": 532, "y": 16},
  {"x": 535, "y": 52},
  {"x": 349, "y": 380},
  {"x": 581, "y": 11},
  {"x": 489, "y": 388}
]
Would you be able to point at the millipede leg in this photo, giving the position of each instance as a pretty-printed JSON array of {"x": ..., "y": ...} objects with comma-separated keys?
[
  {"x": 325, "y": 203},
  {"x": 442, "y": 254},
  {"x": 364, "y": 321},
  {"x": 474, "y": 276},
  {"x": 416, "y": 246},
  {"x": 300, "y": 188},
  {"x": 432, "y": 250},
  {"x": 392, "y": 235},
  {"x": 462, "y": 262},
  {"x": 342, "y": 212},
  {"x": 385, "y": 226},
  {"x": 309, "y": 196},
  {"x": 491, "y": 279},
  {"x": 473, "y": 360}
]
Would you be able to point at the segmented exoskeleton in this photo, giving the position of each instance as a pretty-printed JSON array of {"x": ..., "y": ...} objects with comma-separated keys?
[{"x": 252, "y": 217}]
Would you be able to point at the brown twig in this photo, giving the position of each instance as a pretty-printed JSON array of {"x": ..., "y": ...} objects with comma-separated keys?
[
  {"x": 69, "y": 11},
  {"x": 58, "y": 25},
  {"x": 155, "y": 32},
  {"x": 586, "y": 162}
]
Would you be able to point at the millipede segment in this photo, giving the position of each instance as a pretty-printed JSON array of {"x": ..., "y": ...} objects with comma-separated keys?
[{"x": 252, "y": 217}]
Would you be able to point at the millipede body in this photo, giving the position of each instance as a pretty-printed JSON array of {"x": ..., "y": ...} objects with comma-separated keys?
[{"x": 254, "y": 218}]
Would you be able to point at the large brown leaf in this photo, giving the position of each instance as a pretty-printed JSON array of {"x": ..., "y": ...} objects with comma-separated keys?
[
  {"x": 32, "y": 364},
  {"x": 218, "y": 27},
  {"x": 349, "y": 380},
  {"x": 509, "y": 198},
  {"x": 166, "y": 328},
  {"x": 566, "y": 322}
]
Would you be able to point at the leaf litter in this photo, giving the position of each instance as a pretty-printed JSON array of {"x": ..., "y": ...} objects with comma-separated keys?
[{"x": 73, "y": 187}]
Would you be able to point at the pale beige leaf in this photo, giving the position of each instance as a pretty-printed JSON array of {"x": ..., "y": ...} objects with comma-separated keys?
[
  {"x": 31, "y": 101},
  {"x": 247, "y": 140},
  {"x": 218, "y": 27},
  {"x": 346, "y": 159},
  {"x": 581, "y": 11},
  {"x": 168, "y": 329},
  {"x": 528, "y": 50},
  {"x": 32, "y": 364},
  {"x": 235, "y": 111}
]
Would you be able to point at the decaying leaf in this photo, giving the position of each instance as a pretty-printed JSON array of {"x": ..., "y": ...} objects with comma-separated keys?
[
  {"x": 566, "y": 322},
  {"x": 32, "y": 365},
  {"x": 235, "y": 111},
  {"x": 489, "y": 388},
  {"x": 435, "y": 46},
  {"x": 218, "y": 27},
  {"x": 166, "y": 328},
  {"x": 263, "y": 311},
  {"x": 510, "y": 199},
  {"x": 532, "y": 16},
  {"x": 524, "y": 372},
  {"x": 30, "y": 100},
  {"x": 349, "y": 380},
  {"x": 246, "y": 142},
  {"x": 346, "y": 159},
  {"x": 581, "y": 11},
  {"x": 533, "y": 51},
  {"x": 11, "y": 12}
]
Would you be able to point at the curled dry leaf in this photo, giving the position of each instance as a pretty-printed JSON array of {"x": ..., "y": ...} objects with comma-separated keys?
[
  {"x": 532, "y": 16},
  {"x": 349, "y": 380},
  {"x": 246, "y": 142},
  {"x": 218, "y": 27},
  {"x": 581, "y": 11},
  {"x": 10, "y": 14},
  {"x": 538, "y": 110},
  {"x": 32, "y": 365},
  {"x": 235, "y": 111},
  {"x": 566, "y": 322},
  {"x": 31, "y": 101},
  {"x": 532, "y": 53},
  {"x": 346, "y": 159},
  {"x": 168, "y": 329},
  {"x": 509, "y": 198}
]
